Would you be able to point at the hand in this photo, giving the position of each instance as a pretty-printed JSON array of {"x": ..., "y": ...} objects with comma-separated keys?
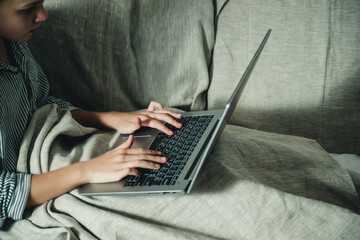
[
  {"x": 109, "y": 167},
  {"x": 154, "y": 106},
  {"x": 120, "y": 162},
  {"x": 129, "y": 122},
  {"x": 154, "y": 116}
]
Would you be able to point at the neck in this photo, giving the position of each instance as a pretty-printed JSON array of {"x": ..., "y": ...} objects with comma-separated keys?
[{"x": 4, "y": 56}]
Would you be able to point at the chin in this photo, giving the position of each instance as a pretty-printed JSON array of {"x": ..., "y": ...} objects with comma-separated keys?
[
  {"x": 25, "y": 38},
  {"x": 20, "y": 39}
]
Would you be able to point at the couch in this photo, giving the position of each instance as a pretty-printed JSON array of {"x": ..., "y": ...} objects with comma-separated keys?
[{"x": 278, "y": 180}]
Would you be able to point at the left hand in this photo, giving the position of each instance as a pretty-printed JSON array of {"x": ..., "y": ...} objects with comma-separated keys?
[
  {"x": 154, "y": 116},
  {"x": 129, "y": 122}
]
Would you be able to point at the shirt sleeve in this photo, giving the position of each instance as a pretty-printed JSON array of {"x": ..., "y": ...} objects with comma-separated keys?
[
  {"x": 14, "y": 193},
  {"x": 40, "y": 87},
  {"x": 61, "y": 103}
]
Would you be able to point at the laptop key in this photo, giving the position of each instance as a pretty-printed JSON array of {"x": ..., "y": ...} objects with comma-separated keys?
[
  {"x": 141, "y": 179},
  {"x": 148, "y": 181},
  {"x": 130, "y": 183},
  {"x": 157, "y": 181},
  {"x": 171, "y": 173},
  {"x": 177, "y": 149},
  {"x": 155, "y": 143},
  {"x": 166, "y": 181}
]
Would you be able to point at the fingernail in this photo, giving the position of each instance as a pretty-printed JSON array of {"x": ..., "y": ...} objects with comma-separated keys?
[
  {"x": 163, "y": 159},
  {"x": 157, "y": 166}
]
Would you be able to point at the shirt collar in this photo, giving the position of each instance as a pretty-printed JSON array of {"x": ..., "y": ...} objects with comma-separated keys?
[{"x": 18, "y": 53}]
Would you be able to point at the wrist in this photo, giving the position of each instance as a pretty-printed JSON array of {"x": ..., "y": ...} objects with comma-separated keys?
[
  {"x": 83, "y": 169},
  {"x": 52, "y": 184},
  {"x": 105, "y": 118},
  {"x": 92, "y": 119}
]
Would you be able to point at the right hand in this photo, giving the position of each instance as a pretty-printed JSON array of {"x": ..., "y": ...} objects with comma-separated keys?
[{"x": 122, "y": 161}]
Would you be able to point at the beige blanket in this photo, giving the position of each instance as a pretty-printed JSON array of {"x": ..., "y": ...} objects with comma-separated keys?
[{"x": 255, "y": 185}]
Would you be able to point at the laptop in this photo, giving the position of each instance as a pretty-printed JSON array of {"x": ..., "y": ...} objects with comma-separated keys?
[{"x": 186, "y": 150}]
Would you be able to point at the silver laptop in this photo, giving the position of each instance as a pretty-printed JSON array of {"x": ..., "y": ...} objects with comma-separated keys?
[{"x": 186, "y": 150}]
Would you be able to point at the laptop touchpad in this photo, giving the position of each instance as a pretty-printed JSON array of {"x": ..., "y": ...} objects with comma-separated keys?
[{"x": 142, "y": 137}]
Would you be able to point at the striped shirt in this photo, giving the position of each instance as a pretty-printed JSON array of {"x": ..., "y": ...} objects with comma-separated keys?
[{"x": 23, "y": 90}]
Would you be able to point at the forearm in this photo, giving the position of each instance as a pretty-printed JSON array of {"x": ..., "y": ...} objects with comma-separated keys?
[
  {"x": 91, "y": 119},
  {"x": 128, "y": 122},
  {"x": 112, "y": 166},
  {"x": 61, "y": 103},
  {"x": 47, "y": 186}
]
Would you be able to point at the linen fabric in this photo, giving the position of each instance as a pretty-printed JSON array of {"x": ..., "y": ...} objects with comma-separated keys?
[{"x": 255, "y": 185}]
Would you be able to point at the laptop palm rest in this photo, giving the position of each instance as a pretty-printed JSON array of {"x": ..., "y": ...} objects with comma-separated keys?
[{"x": 142, "y": 138}]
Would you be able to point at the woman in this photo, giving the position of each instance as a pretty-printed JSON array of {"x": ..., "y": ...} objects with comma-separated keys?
[{"x": 23, "y": 90}]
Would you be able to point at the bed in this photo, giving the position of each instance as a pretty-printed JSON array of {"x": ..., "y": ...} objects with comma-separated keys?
[{"x": 279, "y": 170}]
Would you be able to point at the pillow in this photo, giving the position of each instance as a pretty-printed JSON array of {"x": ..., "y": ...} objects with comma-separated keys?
[
  {"x": 307, "y": 80},
  {"x": 119, "y": 55}
]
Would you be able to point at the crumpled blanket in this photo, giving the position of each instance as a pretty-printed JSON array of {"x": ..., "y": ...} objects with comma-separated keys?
[{"x": 255, "y": 185}]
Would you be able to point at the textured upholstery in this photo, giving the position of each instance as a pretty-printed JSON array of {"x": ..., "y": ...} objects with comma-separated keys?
[
  {"x": 190, "y": 54},
  {"x": 128, "y": 53},
  {"x": 307, "y": 81}
]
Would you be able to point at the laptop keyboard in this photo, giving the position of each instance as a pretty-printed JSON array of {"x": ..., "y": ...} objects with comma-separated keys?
[{"x": 176, "y": 148}]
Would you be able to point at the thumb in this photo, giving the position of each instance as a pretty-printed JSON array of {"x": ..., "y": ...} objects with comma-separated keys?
[
  {"x": 128, "y": 142},
  {"x": 138, "y": 123},
  {"x": 135, "y": 125}
]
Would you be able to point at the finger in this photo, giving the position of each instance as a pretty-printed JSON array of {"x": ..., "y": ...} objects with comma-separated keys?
[
  {"x": 137, "y": 151},
  {"x": 134, "y": 172},
  {"x": 139, "y": 164},
  {"x": 168, "y": 112},
  {"x": 136, "y": 124},
  {"x": 173, "y": 114},
  {"x": 142, "y": 157},
  {"x": 127, "y": 156},
  {"x": 148, "y": 120},
  {"x": 153, "y": 123},
  {"x": 125, "y": 172},
  {"x": 154, "y": 106},
  {"x": 162, "y": 117},
  {"x": 127, "y": 143}
]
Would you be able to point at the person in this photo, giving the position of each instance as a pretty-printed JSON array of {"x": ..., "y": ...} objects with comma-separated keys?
[{"x": 24, "y": 89}]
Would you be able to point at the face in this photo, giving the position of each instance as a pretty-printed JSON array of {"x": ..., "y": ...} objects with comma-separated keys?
[{"x": 21, "y": 18}]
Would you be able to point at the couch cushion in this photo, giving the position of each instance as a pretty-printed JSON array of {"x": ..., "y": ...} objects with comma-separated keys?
[
  {"x": 119, "y": 55},
  {"x": 307, "y": 80}
]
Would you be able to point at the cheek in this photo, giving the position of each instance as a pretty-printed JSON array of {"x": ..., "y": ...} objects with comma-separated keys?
[{"x": 16, "y": 29}]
